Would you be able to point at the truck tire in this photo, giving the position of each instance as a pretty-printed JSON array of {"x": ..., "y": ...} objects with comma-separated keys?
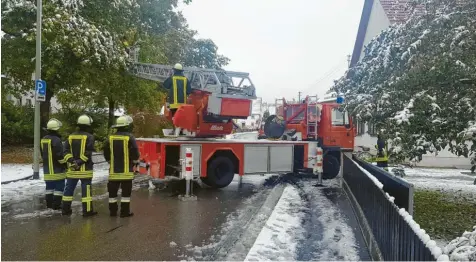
[
  {"x": 330, "y": 167},
  {"x": 220, "y": 172},
  {"x": 205, "y": 181}
]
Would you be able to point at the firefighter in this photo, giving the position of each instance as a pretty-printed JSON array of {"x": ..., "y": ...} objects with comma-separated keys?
[
  {"x": 382, "y": 158},
  {"x": 54, "y": 165},
  {"x": 178, "y": 88},
  {"x": 78, "y": 155},
  {"x": 122, "y": 153}
]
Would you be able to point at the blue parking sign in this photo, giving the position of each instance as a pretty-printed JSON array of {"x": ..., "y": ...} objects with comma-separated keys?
[{"x": 40, "y": 87}]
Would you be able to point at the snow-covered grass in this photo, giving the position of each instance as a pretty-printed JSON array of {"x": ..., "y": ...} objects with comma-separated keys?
[
  {"x": 25, "y": 189},
  {"x": 279, "y": 238},
  {"x": 450, "y": 181},
  {"x": 442, "y": 217}
]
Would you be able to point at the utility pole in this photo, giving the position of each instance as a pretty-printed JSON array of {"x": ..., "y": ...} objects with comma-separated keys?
[
  {"x": 36, "y": 153},
  {"x": 299, "y": 97},
  {"x": 348, "y": 60}
]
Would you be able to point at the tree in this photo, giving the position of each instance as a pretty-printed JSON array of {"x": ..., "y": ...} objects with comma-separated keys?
[
  {"x": 416, "y": 81},
  {"x": 86, "y": 46}
]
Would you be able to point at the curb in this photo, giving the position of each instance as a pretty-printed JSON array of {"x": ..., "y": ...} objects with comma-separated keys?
[{"x": 16, "y": 180}]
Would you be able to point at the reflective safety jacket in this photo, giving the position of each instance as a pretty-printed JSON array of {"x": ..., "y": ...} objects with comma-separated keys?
[
  {"x": 54, "y": 165},
  {"x": 79, "y": 149},
  {"x": 121, "y": 151},
  {"x": 179, "y": 88}
]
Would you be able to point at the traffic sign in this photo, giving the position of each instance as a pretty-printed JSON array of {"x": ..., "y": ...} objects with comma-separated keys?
[{"x": 40, "y": 87}]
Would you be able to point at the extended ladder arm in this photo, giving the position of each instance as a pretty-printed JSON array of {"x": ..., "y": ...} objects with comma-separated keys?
[{"x": 221, "y": 83}]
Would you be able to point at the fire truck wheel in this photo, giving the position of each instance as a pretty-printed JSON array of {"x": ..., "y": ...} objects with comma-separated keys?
[
  {"x": 205, "y": 181},
  {"x": 220, "y": 172},
  {"x": 330, "y": 166}
]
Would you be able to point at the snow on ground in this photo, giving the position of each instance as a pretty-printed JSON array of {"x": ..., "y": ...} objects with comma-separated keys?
[
  {"x": 244, "y": 136},
  {"x": 247, "y": 215},
  {"x": 337, "y": 241},
  {"x": 444, "y": 180},
  {"x": 279, "y": 238},
  {"x": 24, "y": 189}
]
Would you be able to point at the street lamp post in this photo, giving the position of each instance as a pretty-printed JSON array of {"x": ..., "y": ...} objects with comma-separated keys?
[{"x": 36, "y": 154}]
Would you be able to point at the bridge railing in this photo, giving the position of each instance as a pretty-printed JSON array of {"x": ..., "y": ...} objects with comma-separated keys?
[{"x": 390, "y": 232}]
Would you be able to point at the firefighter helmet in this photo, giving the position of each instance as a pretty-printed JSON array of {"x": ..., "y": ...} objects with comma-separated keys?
[
  {"x": 124, "y": 120},
  {"x": 178, "y": 66},
  {"x": 85, "y": 120},
  {"x": 54, "y": 124}
]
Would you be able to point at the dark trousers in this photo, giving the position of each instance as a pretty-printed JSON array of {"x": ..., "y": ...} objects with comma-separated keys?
[
  {"x": 54, "y": 193},
  {"x": 112, "y": 187},
  {"x": 86, "y": 194}
]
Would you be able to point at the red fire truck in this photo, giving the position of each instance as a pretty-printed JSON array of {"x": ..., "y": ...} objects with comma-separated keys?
[{"x": 218, "y": 98}]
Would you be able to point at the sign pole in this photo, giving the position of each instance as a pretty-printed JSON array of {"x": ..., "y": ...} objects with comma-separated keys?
[{"x": 36, "y": 154}]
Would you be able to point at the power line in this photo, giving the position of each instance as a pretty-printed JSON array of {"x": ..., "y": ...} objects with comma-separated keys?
[{"x": 328, "y": 74}]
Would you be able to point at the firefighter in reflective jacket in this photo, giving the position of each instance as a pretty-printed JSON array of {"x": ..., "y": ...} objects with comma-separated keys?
[
  {"x": 382, "y": 158},
  {"x": 178, "y": 88},
  {"x": 78, "y": 155},
  {"x": 122, "y": 153},
  {"x": 54, "y": 165}
]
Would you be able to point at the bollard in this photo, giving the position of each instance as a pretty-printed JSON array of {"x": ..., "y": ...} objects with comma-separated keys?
[
  {"x": 318, "y": 167},
  {"x": 188, "y": 175}
]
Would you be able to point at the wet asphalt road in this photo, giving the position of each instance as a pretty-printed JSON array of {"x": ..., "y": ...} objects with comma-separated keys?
[
  {"x": 160, "y": 222},
  {"x": 163, "y": 228}
]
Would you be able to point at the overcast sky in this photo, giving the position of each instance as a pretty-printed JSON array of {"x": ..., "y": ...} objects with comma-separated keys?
[{"x": 286, "y": 46}]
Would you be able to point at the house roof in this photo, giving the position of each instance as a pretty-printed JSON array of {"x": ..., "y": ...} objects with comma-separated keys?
[{"x": 397, "y": 11}]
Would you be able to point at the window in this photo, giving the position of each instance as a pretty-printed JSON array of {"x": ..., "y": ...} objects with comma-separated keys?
[{"x": 339, "y": 118}]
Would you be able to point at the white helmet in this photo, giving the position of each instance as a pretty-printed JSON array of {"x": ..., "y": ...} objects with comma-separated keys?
[
  {"x": 85, "y": 120},
  {"x": 124, "y": 120},
  {"x": 178, "y": 66},
  {"x": 54, "y": 124}
]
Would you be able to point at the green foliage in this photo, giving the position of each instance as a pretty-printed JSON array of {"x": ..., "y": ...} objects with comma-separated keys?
[
  {"x": 441, "y": 217},
  {"x": 417, "y": 81},
  {"x": 86, "y": 45},
  {"x": 16, "y": 123}
]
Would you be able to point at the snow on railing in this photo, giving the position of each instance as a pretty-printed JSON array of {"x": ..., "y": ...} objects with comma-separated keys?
[
  {"x": 462, "y": 248},
  {"x": 436, "y": 251}
]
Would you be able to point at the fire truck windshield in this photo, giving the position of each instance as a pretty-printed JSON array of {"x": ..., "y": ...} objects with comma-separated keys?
[{"x": 340, "y": 117}]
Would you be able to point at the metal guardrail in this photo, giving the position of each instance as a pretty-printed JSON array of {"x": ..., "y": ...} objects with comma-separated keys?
[
  {"x": 388, "y": 235},
  {"x": 401, "y": 190}
]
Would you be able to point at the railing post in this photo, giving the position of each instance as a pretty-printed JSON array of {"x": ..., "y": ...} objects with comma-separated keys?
[
  {"x": 318, "y": 167},
  {"x": 188, "y": 175}
]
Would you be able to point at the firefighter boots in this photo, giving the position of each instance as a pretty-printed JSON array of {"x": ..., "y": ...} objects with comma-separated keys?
[
  {"x": 49, "y": 200},
  {"x": 125, "y": 209}
]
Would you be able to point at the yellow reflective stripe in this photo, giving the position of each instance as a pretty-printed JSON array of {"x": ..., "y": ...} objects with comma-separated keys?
[
  {"x": 82, "y": 149},
  {"x": 67, "y": 156},
  {"x": 112, "y": 200},
  {"x": 125, "y": 199},
  {"x": 88, "y": 199},
  {"x": 125, "y": 144},
  {"x": 174, "y": 86},
  {"x": 67, "y": 198},
  {"x": 50, "y": 155},
  {"x": 79, "y": 174},
  {"x": 121, "y": 176},
  {"x": 58, "y": 193},
  {"x": 53, "y": 177},
  {"x": 49, "y": 191},
  {"x": 126, "y": 154}
]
